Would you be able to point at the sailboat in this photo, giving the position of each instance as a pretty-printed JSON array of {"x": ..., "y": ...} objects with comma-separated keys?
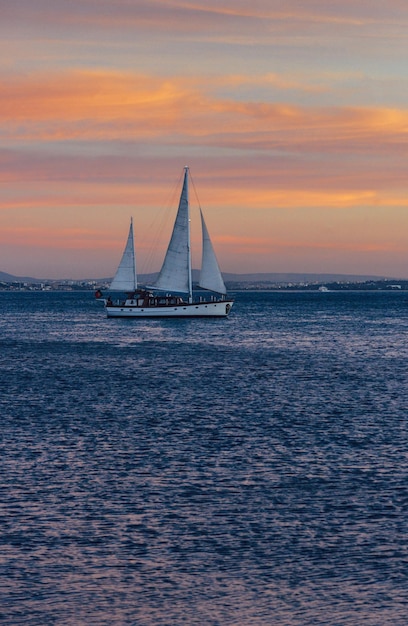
[{"x": 172, "y": 293}]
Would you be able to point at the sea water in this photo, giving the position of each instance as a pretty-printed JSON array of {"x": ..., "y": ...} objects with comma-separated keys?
[{"x": 247, "y": 471}]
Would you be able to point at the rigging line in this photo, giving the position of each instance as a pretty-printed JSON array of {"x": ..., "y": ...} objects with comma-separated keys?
[
  {"x": 199, "y": 246},
  {"x": 195, "y": 191},
  {"x": 157, "y": 226}
]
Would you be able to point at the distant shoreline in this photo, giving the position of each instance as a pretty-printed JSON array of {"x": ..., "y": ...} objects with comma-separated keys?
[{"x": 322, "y": 287}]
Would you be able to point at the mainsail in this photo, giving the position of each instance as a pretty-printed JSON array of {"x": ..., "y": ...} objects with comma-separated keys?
[
  {"x": 175, "y": 274},
  {"x": 210, "y": 277},
  {"x": 125, "y": 278}
]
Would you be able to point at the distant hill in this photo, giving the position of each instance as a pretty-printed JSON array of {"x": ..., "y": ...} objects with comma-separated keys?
[
  {"x": 298, "y": 278},
  {"x": 9, "y": 278},
  {"x": 272, "y": 277},
  {"x": 261, "y": 277}
]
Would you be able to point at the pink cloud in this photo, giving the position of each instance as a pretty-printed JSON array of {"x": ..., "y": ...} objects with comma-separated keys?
[{"x": 117, "y": 106}]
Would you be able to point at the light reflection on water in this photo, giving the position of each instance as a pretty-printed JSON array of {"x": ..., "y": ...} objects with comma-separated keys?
[{"x": 244, "y": 471}]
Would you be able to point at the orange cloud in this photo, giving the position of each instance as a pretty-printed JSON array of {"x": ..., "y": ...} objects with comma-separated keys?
[
  {"x": 231, "y": 196},
  {"x": 58, "y": 238},
  {"x": 93, "y": 97},
  {"x": 263, "y": 244},
  {"x": 271, "y": 79},
  {"x": 112, "y": 106}
]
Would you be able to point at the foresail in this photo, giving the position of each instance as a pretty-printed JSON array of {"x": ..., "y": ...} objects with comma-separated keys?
[
  {"x": 125, "y": 278},
  {"x": 174, "y": 274},
  {"x": 210, "y": 277}
]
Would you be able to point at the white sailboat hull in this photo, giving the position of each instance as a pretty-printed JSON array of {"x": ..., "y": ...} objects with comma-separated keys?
[{"x": 219, "y": 308}]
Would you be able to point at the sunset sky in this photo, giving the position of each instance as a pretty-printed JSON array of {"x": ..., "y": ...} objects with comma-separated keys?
[{"x": 293, "y": 118}]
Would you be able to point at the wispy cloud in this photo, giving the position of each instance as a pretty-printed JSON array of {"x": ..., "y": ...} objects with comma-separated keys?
[
  {"x": 113, "y": 105},
  {"x": 168, "y": 12}
]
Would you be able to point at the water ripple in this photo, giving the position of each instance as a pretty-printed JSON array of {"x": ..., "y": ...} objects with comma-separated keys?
[{"x": 251, "y": 471}]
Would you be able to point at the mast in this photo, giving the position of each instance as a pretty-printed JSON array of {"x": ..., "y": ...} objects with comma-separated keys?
[
  {"x": 133, "y": 264},
  {"x": 190, "y": 280}
]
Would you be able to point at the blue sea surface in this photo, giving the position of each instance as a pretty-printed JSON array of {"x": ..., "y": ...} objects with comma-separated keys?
[{"x": 243, "y": 472}]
